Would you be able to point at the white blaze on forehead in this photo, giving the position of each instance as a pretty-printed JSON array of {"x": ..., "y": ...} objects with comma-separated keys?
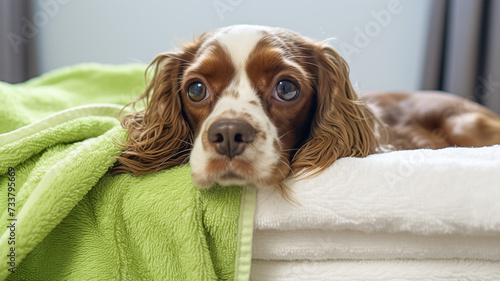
[{"x": 239, "y": 41}]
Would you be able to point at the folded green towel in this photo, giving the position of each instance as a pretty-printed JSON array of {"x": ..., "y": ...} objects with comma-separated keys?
[{"x": 72, "y": 220}]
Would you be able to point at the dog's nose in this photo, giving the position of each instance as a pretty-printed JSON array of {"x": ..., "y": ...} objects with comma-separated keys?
[{"x": 230, "y": 137}]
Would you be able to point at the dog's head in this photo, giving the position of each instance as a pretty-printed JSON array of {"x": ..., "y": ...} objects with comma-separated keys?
[{"x": 247, "y": 105}]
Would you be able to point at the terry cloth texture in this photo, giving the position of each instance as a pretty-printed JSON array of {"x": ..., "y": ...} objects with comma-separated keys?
[
  {"x": 404, "y": 215},
  {"x": 72, "y": 220}
]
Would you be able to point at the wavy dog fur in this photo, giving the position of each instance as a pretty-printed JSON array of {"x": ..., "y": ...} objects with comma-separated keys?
[
  {"x": 343, "y": 125},
  {"x": 159, "y": 136}
]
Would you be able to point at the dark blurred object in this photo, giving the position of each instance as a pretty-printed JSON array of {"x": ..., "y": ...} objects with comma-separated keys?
[
  {"x": 17, "y": 41},
  {"x": 463, "y": 54}
]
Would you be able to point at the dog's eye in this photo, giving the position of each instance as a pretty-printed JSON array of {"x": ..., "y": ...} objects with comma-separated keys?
[
  {"x": 286, "y": 90},
  {"x": 197, "y": 91}
]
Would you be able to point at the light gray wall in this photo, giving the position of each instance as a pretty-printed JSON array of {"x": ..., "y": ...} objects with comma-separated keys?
[{"x": 383, "y": 40}]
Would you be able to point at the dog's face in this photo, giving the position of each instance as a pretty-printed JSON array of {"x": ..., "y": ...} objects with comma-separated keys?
[
  {"x": 249, "y": 99},
  {"x": 257, "y": 104}
]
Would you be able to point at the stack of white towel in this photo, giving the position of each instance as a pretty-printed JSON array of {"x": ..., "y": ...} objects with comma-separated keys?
[{"x": 405, "y": 215}]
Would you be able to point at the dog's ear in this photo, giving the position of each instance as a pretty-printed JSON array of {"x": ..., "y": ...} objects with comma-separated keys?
[
  {"x": 159, "y": 137},
  {"x": 343, "y": 125}
]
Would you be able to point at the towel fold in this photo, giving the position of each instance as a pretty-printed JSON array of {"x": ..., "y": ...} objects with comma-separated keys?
[
  {"x": 426, "y": 192},
  {"x": 326, "y": 245},
  {"x": 376, "y": 270},
  {"x": 404, "y": 215}
]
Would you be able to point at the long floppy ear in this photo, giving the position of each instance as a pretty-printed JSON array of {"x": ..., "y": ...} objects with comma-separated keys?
[
  {"x": 159, "y": 137},
  {"x": 343, "y": 126}
]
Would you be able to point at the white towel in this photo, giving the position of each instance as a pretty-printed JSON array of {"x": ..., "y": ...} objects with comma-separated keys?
[
  {"x": 376, "y": 270},
  {"x": 324, "y": 244},
  {"x": 424, "y": 205}
]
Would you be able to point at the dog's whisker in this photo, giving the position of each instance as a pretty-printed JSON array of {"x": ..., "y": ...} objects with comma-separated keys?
[
  {"x": 186, "y": 160},
  {"x": 286, "y": 164},
  {"x": 186, "y": 142},
  {"x": 285, "y": 134},
  {"x": 170, "y": 157}
]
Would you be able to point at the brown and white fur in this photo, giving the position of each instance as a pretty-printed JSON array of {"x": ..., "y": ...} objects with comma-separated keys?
[{"x": 238, "y": 130}]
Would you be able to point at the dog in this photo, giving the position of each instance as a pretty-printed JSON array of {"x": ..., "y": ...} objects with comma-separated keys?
[{"x": 258, "y": 105}]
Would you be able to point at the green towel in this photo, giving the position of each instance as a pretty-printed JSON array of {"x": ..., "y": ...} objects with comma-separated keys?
[{"x": 72, "y": 220}]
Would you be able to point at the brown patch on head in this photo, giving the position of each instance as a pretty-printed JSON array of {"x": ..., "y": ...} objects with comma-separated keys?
[
  {"x": 213, "y": 65},
  {"x": 284, "y": 55},
  {"x": 215, "y": 70}
]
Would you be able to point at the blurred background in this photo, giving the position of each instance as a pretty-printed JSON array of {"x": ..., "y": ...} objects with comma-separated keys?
[{"x": 450, "y": 45}]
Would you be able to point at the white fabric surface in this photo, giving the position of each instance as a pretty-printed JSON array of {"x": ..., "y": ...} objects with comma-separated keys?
[
  {"x": 424, "y": 206},
  {"x": 376, "y": 270},
  {"x": 321, "y": 245}
]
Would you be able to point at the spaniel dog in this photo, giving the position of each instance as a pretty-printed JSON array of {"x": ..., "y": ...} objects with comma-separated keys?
[{"x": 256, "y": 105}]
